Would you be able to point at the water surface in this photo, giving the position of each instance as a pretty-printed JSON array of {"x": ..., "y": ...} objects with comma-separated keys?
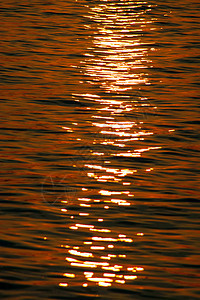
[{"x": 99, "y": 150}]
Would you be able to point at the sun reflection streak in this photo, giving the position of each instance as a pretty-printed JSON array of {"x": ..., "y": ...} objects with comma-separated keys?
[
  {"x": 118, "y": 52},
  {"x": 115, "y": 66}
]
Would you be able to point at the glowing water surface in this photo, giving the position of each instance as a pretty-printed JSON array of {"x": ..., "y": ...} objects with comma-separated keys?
[{"x": 99, "y": 150}]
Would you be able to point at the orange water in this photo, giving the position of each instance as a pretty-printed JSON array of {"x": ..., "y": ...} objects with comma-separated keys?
[{"x": 99, "y": 150}]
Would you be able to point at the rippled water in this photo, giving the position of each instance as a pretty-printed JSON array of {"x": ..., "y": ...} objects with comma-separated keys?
[{"x": 99, "y": 150}]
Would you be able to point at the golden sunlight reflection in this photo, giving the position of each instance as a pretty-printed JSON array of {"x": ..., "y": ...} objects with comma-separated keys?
[
  {"x": 115, "y": 67},
  {"x": 96, "y": 251},
  {"x": 119, "y": 59}
]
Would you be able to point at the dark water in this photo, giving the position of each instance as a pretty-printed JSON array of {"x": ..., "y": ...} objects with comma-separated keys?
[{"x": 99, "y": 149}]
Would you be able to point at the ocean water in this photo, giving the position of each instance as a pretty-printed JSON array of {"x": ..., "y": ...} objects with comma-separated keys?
[{"x": 99, "y": 149}]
